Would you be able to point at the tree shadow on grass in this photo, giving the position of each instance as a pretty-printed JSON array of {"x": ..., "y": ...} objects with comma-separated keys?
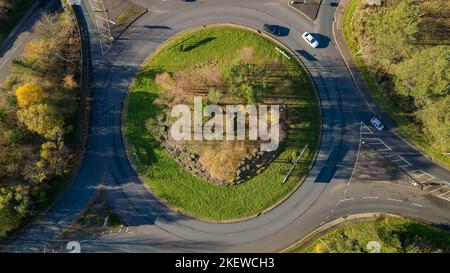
[
  {"x": 196, "y": 44},
  {"x": 141, "y": 108}
]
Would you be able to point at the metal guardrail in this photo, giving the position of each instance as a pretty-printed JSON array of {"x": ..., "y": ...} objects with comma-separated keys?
[{"x": 294, "y": 165}]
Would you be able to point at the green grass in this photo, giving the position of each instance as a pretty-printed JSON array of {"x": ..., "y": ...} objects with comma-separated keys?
[
  {"x": 13, "y": 19},
  {"x": 406, "y": 126},
  {"x": 190, "y": 194},
  {"x": 395, "y": 235}
]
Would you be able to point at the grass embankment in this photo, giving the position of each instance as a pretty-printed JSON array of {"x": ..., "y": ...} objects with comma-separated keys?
[
  {"x": 13, "y": 18},
  {"x": 197, "y": 197},
  {"x": 395, "y": 235},
  {"x": 406, "y": 125}
]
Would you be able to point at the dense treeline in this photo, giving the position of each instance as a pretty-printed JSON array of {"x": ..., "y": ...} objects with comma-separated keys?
[
  {"x": 7, "y": 7},
  {"x": 400, "y": 44},
  {"x": 10, "y": 13},
  {"x": 39, "y": 117}
]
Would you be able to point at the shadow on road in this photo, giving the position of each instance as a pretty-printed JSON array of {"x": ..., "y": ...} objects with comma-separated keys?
[
  {"x": 306, "y": 55},
  {"x": 282, "y": 31},
  {"x": 324, "y": 41},
  {"x": 330, "y": 165},
  {"x": 157, "y": 27}
]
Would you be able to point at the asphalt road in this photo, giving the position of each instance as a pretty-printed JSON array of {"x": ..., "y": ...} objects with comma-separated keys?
[{"x": 327, "y": 193}]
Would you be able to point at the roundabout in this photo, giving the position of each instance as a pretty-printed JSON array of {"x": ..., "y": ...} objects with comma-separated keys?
[
  {"x": 323, "y": 195},
  {"x": 173, "y": 173}
]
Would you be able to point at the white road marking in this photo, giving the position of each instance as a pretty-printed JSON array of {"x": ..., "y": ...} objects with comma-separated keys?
[
  {"x": 370, "y": 197},
  {"x": 438, "y": 189},
  {"x": 444, "y": 194},
  {"x": 417, "y": 205},
  {"x": 395, "y": 200},
  {"x": 348, "y": 199}
]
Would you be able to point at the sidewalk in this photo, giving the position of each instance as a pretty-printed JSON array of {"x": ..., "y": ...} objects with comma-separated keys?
[
  {"x": 353, "y": 67},
  {"x": 309, "y": 8}
]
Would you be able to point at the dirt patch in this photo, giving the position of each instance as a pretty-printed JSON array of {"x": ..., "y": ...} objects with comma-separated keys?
[
  {"x": 98, "y": 220},
  {"x": 222, "y": 162}
]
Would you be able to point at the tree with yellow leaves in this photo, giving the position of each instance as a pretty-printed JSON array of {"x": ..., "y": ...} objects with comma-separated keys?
[
  {"x": 30, "y": 94},
  {"x": 42, "y": 119}
]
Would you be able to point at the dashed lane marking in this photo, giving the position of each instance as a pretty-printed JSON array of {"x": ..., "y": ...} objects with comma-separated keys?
[{"x": 394, "y": 200}]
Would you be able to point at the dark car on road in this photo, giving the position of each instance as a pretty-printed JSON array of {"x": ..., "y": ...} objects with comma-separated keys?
[{"x": 272, "y": 29}]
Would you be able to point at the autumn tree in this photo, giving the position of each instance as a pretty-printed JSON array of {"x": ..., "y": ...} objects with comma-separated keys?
[
  {"x": 392, "y": 33},
  {"x": 435, "y": 118},
  {"x": 248, "y": 81},
  {"x": 54, "y": 157},
  {"x": 425, "y": 76},
  {"x": 42, "y": 119},
  {"x": 30, "y": 94},
  {"x": 14, "y": 206}
]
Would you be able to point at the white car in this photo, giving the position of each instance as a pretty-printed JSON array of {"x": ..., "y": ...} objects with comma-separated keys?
[
  {"x": 310, "y": 40},
  {"x": 377, "y": 123}
]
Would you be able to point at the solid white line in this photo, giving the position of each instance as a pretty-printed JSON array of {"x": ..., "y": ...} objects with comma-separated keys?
[
  {"x": 375, "y": 143},
  {"x": 366, "y": 138},
  {"x": 444, "y": 198},
  {"x": 4, "y": 62},
  {"x": 417, "y": 205},
  {"x": 428, "y": 179},
  {"x": 405, "y": 160},
  {"x": 395, "y": 200},
  {"x": 444, "y": 194},
  {"x": 348, "y": 199},
  {"x": 438, "y": 189},
  {"x": 370, "y": 197},
  {"x": 397, "y": 160}
]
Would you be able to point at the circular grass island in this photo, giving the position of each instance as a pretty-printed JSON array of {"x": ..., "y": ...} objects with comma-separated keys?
[{"x": 221, "y": 180}]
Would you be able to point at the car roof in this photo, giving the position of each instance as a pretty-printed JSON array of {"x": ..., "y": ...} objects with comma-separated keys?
[{"x": 376, "y": 120}]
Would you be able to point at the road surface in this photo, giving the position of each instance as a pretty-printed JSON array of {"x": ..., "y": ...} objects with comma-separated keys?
[{"x": 327, "y": 193}]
